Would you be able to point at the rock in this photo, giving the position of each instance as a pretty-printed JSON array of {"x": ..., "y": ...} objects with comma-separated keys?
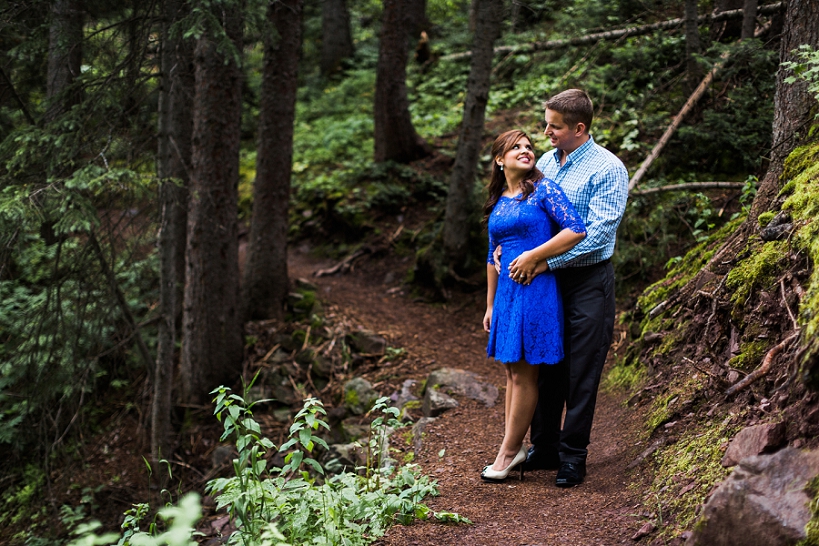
[
  {"x": 436, "y": 403},
  {"x": 763, "y": 503},
  {"x": 463, "y": 383},
  {"x": 367, "y": 342},
  {"x": 359, "y": 396},
  {"x": 406, "y": 393},
  {"x": 283, "y": 415},
  {"x": 418, "y": 433},
  {"x": 754, "y": 441},
  {"x": 221, "y": 455},
  {"x": 644, "y": 531},
  {"x": 773, "y": 233},
  {"x": 342, "y": 457}
]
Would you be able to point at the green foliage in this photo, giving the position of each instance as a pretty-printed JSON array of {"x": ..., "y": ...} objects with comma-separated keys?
[
  {"x": 806, "y": 69},
  {"x": 812, "y": 527},
  {"x": 308, "y": 507}
]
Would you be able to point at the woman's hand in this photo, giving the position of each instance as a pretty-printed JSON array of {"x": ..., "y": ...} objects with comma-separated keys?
[
  {"x": 487, "y": 319},
  {"x": 524, "y": 268}
]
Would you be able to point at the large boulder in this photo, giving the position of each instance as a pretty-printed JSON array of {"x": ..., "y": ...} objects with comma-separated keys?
[
  {"x": 463, "y": 383},
  {"x": 762, "y": 503}
]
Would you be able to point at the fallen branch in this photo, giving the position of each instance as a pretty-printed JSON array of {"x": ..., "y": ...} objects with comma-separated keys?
[
  {"x": 343, "y": 266},
  {"x": 690, "y": 186},
  {"x": 689, "y": 104},
  {"x": 615, "y": 34},
  {"x": 764, "y": 368}
]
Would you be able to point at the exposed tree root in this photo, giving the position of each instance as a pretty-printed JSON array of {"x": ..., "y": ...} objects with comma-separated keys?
[{"x": 764, "y": 368}]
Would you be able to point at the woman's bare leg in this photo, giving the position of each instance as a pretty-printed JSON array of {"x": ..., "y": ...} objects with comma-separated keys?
[{"x": 521, "y": 399}]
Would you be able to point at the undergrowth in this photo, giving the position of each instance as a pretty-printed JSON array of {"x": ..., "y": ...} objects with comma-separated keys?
[{"x": 298, "y": 503}]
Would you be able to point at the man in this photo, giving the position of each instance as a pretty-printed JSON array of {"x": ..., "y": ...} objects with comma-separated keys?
[{"x": 596, "y": 182}]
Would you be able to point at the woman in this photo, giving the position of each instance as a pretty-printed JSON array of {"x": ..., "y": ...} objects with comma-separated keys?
[{"x": 531, "y": 218}]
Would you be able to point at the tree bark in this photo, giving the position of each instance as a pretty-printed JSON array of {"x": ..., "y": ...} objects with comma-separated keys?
[
  {"x": 460, "y": 203},
  {"x": 395, "y": 136},
  {"x": 212, "y": 342},
  {"x": 692, "y": 41},
  {"x": 792, "y": 102},
  {"x": 337, "y": 39},
  {"x": 173, "y": 162},
  {"x": 749, "y": 18},
  {"x": 265, "y": 283},
  {"x": 64, "y": 57}
]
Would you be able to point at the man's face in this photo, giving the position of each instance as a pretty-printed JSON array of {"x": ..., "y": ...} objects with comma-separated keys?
[{"x": 561, "y": 135}]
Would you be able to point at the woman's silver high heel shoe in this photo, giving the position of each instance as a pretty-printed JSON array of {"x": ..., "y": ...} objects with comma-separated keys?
[{"x": 498, "y": 476}]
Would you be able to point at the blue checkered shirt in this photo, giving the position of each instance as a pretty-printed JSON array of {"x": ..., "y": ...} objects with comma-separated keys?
[{"x": 596, "y": 182}]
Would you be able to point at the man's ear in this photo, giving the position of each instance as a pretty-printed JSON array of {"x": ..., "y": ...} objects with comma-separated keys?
[{"x": 581, "y": 129}]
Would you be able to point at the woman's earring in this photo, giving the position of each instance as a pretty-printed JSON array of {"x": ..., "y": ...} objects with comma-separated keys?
[{"x": 501, "y": 167}]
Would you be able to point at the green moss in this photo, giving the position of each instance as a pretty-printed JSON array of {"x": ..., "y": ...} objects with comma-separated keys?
[
  {"x": 626, "y": 374},
  {"x": 765, "y": 218},
  {"x": 759, "y": 269},
  {"x": 413, "y": 404},
  {"x": 802, "y": 166},
  {"x": 692, "y": 463},
  {"x": 684, "y": 269},
  {"x": 812, "y": 528},
  {"x": 750, "y": 355}
]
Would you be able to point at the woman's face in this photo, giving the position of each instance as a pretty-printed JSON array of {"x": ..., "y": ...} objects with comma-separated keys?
[{"x": 520, "y": 157}]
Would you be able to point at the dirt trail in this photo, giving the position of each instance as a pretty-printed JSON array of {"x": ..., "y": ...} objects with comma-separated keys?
[{"x": 602, "y": 511}]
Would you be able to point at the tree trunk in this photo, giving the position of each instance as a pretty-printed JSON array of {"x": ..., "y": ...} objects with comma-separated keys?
[
  {"x": 692, "y": 42},
  {"x": 395, "y": 136},
  {"x": 337, "y": 40},
  {"x": 265, "y": 283},
  {"x": 173, "y": 162},
  {"x": 749, "y": 19},
  {"x": 460, "y": 203},
  {"x": 792, "y": 102},
  {"x": 212, "y": 342},
  {"x": 64, "y": 57}
]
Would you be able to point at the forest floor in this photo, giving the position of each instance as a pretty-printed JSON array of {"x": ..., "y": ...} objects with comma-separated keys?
[{"x": 603, "y": 511}]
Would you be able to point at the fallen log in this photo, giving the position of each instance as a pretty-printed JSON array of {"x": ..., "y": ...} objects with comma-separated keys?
[
  {"x": 617, "y": 33},
  {"x": 690, "y": 186}
]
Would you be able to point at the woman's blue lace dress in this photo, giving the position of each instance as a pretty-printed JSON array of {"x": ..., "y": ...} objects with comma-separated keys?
[{"x": 527, "y": 320}]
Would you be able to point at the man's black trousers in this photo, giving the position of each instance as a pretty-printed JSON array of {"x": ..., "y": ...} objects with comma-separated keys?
[{"x": 588, "y": 308}]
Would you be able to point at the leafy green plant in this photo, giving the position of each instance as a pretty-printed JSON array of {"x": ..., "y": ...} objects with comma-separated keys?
[
  {"x": 806, "y": 69},
  {"x": 307, "y": 506}
]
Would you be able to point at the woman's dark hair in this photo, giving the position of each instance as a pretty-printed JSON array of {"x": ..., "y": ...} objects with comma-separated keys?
[{"x": 497, "y": 182}]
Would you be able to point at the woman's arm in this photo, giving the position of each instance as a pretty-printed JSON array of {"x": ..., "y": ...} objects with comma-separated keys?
[
  {"x": 524, "y": 268},
  {"x": 491, "y": 287}
]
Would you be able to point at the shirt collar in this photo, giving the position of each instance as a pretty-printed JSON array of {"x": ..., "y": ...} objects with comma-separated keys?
[{"x": 582, "y": 150}]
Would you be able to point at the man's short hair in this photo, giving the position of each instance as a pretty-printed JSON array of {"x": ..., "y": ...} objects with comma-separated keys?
[{"x": 574, "y": 105}]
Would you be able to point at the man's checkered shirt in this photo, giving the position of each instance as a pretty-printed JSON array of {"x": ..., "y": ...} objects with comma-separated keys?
[{"x": 596, "y": 182}]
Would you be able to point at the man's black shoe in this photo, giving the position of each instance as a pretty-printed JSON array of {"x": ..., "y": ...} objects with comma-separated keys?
[
  {"x": 540, "y": 458},
  {"x": 570, "y": 474}
]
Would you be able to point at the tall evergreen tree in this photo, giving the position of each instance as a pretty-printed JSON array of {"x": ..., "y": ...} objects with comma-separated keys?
[
  {"x": 460, "y": 203},
  {"x": 336, "y": 37},
  {"x": 212, "y": 340},
  {"x": 173, "y": 163},
  {"x": 265, "y": 283},
  {"x": 395, "y": 136},
  {"x": 64, "y": 56}
]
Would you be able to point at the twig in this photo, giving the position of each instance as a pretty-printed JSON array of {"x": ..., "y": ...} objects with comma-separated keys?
[
  {"x": 764, "y": 368},
  {"x": 785, "y": 303},
  {"x": 690, "y": 186}
]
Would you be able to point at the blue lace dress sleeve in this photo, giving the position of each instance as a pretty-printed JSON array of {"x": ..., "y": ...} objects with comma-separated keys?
[{"x": 527, "y": 320}]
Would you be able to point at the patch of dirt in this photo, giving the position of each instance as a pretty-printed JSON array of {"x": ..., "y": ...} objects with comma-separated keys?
[{"x": 602, "y": 511}]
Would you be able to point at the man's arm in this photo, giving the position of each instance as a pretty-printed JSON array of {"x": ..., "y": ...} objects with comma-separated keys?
[{"x": 606, "y": 208}]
